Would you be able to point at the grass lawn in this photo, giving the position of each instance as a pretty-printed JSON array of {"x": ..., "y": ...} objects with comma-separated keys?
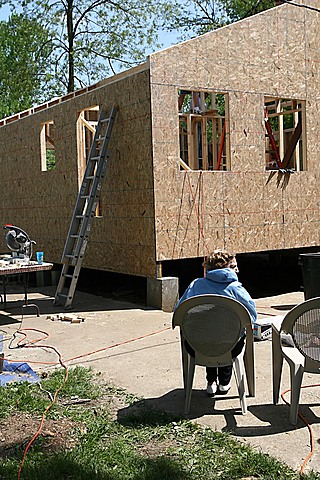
[{"x": 99, "y": 432}]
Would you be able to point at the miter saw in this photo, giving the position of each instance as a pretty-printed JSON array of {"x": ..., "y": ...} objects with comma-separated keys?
[{"x": 18, "y": 241}]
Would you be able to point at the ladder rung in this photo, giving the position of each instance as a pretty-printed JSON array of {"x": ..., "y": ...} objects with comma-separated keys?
[
  {"x": 90, "y": 177},
  {"x": 94, "y": 159},
  {"x": 100, "y": 139},
  {"x": 69, "y": 255},
  {"x": 79, "y": 216},
  {"x": 85, "y": 196},
  {"x": 74, "y": 236},
  {"x": 105, "y": 120},
  {"x": 68, "y": 275},
  {"x": 62, "y": 295}
]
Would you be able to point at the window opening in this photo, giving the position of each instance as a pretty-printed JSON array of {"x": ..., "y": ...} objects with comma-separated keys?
[
  {"x": 86, "y": 126},
  {"x": 47, "y": 147},
  {"x": 202, "y": 130},
  {"x": 285, "y": 134}
]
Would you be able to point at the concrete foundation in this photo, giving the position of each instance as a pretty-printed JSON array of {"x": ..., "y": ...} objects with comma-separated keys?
[{"x": 163, "y": 292}]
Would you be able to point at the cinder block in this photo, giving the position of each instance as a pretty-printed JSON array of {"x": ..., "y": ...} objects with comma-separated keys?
[{"x": 163, "y": 293}]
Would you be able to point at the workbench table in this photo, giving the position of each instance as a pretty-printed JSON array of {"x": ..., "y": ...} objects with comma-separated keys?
[{"x": 24, "y": 268}]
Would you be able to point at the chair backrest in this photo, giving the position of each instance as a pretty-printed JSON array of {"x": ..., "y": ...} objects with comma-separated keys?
[
  {"x": 212, "y": 325},
  {"x": 303, "y": 323}
]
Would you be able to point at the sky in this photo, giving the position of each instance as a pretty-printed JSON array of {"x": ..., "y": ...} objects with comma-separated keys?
[{"x": 4, "y": 12}]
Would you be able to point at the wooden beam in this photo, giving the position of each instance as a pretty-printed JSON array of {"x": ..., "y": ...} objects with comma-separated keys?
[{"x": 292, "y": 145}]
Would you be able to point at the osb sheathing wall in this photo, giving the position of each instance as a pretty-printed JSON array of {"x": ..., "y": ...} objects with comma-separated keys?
[
  {"x": 122, "y": 240},
  {"x": 275, "y": 53}
]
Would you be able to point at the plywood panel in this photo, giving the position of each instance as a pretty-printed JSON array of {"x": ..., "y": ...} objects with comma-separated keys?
[
  {"x": 273, "y": 53},
  {"x": 123, "y": 239}
]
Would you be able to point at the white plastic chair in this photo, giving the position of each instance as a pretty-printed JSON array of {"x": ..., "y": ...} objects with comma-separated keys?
[
  {"x": 212, "y": 325},
  {"x": 303, "y": 324}
]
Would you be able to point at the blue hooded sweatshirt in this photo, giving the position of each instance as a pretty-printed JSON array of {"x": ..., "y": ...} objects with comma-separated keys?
[{"x": 222, "y": 281}]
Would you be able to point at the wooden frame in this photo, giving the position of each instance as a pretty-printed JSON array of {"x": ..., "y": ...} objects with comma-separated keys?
[
  {"x": 47, "y": 146},
  {"x": 86, "y": 124},
  {"x": 286, "y": 138},
  {"x": 203, "y": 142}
]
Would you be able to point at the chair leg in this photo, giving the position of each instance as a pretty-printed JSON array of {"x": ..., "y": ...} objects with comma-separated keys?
[
  {"x": 188, "y": 389},
  {"x": 239, "y": 374},
  {"x": 296, "y": 374},
  {"x": 249, "y": 368},
  {"x": 185, "y": 360},
  {"x": 277, "y": 364}
]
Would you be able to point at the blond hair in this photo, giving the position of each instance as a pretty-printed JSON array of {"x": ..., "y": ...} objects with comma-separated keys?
[{"x": 218, "y": 259}]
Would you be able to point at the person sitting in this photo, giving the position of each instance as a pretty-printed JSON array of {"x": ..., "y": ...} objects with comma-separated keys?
[{"x": 221, "y": 279}]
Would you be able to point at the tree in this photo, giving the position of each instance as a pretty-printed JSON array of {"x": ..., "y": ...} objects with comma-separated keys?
[
  {"x": 93, "y": 38},
  {"x": 196, "y": 17},
  {"x": 24, "y": 47},
  {"x": 239, "y": 9}
]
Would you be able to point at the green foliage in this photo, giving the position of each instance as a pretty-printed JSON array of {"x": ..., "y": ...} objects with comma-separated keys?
[
  {"x": 221, "y": 104},
  {"x": 197, "y": 17},
  {"x": 80, "y": 383},
  {"x": 28, "y": 397},
  {"x": 239, "y": 9},
  {"x": 25, "y": 397},
  {"x": 93, "y": 39},
  {"x": 56, "y": 47},
  {"x": 50, "y": 159},
  {"x": 24, "y": 46}
]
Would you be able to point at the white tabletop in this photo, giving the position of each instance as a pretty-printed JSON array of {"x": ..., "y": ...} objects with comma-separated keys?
[{"x": 7, "y": 268}]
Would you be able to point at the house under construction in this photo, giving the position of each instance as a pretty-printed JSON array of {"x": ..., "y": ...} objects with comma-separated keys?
[{"x": 216, "y": 144}]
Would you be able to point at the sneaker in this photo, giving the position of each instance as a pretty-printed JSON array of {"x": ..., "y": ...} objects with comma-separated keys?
[
  {"x": 223, "y": 389},
  {"x": 211, "y": 389}
]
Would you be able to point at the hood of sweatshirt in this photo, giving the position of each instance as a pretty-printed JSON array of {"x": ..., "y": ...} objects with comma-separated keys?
[{"x": 222, "y": 275}]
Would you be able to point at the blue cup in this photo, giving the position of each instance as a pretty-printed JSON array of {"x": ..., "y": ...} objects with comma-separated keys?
[{"x": 39, "y": 257}]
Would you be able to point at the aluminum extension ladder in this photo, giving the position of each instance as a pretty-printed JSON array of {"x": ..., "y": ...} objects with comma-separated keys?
[{"x": 85, "y": 209}]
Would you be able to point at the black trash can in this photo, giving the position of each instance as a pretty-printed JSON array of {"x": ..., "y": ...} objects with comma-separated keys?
[{"x": 310, "y": 265}]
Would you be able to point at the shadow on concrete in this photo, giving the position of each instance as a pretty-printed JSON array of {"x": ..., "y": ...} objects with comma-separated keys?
[
  {"x": 275, "y": 419},
  {"x": 7, "y": 320},
  {"x": 272, "y": 419},
  {"x": 173, "y": 404},
  {"x": 283, "y": 307},
  {"x": 83, "y": 302}
]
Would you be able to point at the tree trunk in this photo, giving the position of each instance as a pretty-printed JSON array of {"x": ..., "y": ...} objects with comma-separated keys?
[{"x": 70, "y": 46}]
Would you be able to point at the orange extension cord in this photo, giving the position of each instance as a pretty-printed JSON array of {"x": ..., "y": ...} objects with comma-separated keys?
[
  {"x": 307, "y": 424},
  {"x": 30, "y": 345}
]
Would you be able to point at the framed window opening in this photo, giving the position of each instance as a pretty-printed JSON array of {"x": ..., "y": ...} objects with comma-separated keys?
[
  {"x": 285, "y": 121},
  {"x": 47, "y": 147},
  {"x": 203, "y": 126},
  {"x": 86, "y": 126}
]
